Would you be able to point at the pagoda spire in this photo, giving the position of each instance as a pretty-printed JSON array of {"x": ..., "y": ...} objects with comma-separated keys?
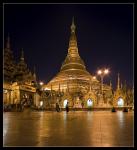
[
  {"x": 118, "y": 82},
  {"x": 8, "y": 42},
  {"x": 73, "y": 49},
  {"x": 73, "y": 59},
  {"x": 110, "y": 84},
  {"x": 9, "y": 62},
  {"x": 34, "y": 74},
  {"x": 22, "y": 54},
  {"x": 90, "y": 85},
  {"x": 34, "y": 69},
  {"x": 73, "y": 27},
  {"x": 121, "y": 86}
]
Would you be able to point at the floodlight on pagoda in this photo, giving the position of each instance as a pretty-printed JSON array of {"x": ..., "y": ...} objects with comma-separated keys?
[
  {"x": 106, "y": 71},
  {"x": 94, "y": 77},
  {"x": 99, "y": 72},
  {"x": 47, "y": 89},
  {"x": 41, "y": 83}
]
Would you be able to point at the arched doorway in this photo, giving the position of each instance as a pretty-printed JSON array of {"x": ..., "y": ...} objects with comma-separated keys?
[
  {"x": 65, "y": 103},
  {"x": 120, "y": 102},
  {"x": 89, "y": 102},
  {"x": 41, "y": 103}
]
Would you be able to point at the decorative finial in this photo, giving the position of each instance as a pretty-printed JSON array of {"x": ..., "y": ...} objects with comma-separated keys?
[
  {"x": 118, "y": 82},
  {"x": 121, "y": 86},
  {"x": 73, "y": 27},
  {"x": 110, "y": 84},
  {"x": 34, "y": 74},
  {"x": 90, "y": 85},
  {"x": 8, "y": 42},
  {"x": 22, "y": 54},
  {"x": 73, "y": 20},
  {"x": 34, "y": 69}
]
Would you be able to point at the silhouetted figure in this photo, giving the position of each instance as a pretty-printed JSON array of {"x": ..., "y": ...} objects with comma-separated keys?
[
  {"x": 57, "y": 107},
  {"x": 82, "y": 104},
  {"x": 67, "y": 107},
  {"x": 125, "y": 110},
  {"x": 113, "y": 109}
]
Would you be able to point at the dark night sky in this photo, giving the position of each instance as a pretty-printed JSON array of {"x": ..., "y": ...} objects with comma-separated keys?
[{"x": 104, "y": 33}]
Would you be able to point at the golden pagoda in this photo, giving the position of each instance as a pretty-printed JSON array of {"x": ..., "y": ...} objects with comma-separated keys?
[
  {"x": 73, "y": 73},
  {"x": 74, "y": 83}
]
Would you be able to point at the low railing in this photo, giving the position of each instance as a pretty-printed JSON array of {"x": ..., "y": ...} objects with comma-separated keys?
[
  {"x": 89, "y": 109},
  {"x": 17, "y": 108}
]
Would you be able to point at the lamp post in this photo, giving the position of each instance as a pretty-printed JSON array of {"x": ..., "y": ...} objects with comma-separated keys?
[
  {"x": 92, "y": 79},
  {"x": 41, "y": 99},
  {"x": 41, "y": 84},
  {"x": 102, "y": 73}
]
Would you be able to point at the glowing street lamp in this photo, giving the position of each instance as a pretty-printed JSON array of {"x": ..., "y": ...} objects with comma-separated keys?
[
  {"x": 99, "y": 72},
  {"x": 102, "y": 73},
  {"x": 106, "y": 71},
  {"x": 94, "y": 77}
]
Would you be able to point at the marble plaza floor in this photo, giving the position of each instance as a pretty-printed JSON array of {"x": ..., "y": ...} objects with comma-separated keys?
[{"x": 75, "y": 128}]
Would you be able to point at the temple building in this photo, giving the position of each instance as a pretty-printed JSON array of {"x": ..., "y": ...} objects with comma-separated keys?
[
  {"x": 119, "y": 96},
  {"x": 19, "y": 82},
  {"x": 122, "y": 96}
]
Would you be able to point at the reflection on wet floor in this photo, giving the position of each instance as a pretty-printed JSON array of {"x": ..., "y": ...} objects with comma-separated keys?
[{"x": 91, "y": 128}]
